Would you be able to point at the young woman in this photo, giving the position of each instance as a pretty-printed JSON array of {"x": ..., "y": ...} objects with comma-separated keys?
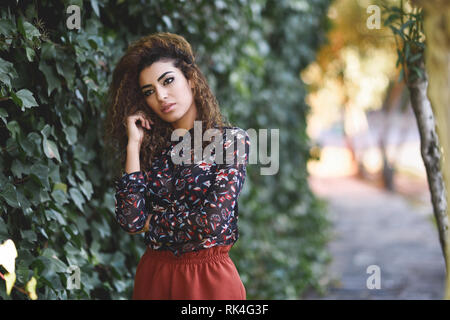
[{"x": 188, "y": 211}]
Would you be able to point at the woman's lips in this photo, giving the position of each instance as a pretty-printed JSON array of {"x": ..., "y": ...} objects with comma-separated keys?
[{"x": 168, "y": 108}]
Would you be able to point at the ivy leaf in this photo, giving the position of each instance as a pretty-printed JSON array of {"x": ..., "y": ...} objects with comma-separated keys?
[
  {"x": 3, "y": 115},
  {"x": 86, "y": 187},
  {"x": 17, "y": 168},
  {"x": 60, "y": 196},
  {"x": 10, "y": 279},
  {"x": 6, "y": 69},
  {"x": 7, "y": 27},
  {"x": 77, "y": 197},
  {"x": 41, "y": 172},
  {"x": 28, "y": 30},
  {"x": 60, "y": 186},
  {"x": 94, "y": 5},
  {"x": 71, "y": 134},
  {"x": 31, "y": 288},
  {"x": 30, "y": 54},
  {"x": 50, "y": 149},
  {"x": 8, "y": 255},
  {"x": 50, "y": 76},
  {"x": 14, "y": 128},
  {"x": 9, "y": 193},
  {"x": 24, "y": 99},
  {"x": 55, "y": 215}
]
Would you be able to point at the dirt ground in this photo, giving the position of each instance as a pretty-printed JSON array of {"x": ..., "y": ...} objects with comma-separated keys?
[{"x": 391, "y": 231}]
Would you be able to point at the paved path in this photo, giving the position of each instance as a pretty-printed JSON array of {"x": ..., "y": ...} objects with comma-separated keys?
[{"x": 375, "y": 227}]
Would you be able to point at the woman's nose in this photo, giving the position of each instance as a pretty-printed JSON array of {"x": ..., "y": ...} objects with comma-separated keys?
[{"x": 161, "y": 93}]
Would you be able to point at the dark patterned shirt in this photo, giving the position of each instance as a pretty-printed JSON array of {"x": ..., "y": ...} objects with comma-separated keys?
[{"x": 194, "y": 206}]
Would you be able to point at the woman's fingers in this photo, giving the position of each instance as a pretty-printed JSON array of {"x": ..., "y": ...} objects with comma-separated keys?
[{"x": 145, "y": 122}]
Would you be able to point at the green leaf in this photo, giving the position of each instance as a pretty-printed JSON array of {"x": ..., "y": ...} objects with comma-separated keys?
[
  {"x": 55, "y": 215},
  {"x": 60, "y": 196},
  {"x": 80, "y": 174},
  {"x": 415, "y": 57},
  {"x": 3, "y": 115},
  {"x": 50, "y": 149},
  {"x": 94, "y": 5},
  {"x": 7, "y": 27},
  {"x": 41, "y": 172},
  {"x": 17, "y": 168},
  {"x": 52, "y": 261},
  {"x": 50, "y": 76},
  {"x": 66, "y": 68},
  {"x": 31, "y": 288},
  {"x": 6, "y": 70},
  {"x": 77, "y": 197},
  {"x": 27, "y": 146},
  {"x": 14, "y": 128},
  {"x": 60, "y": 186},
  {"x": 28, "y": 30},
  {"x": 86, "y": 188},
  {"x": 26, "y": 99},
  {"x": 30, "y": 235},
  {"x": 22, "y": 200},
  {"x": 10, "y": 279},
  {"x": 30, "y": 54},
  {"x": 71, "y": 134},
  {"x": 406, "y": 25},
  {"x": 74, "y": 115}
]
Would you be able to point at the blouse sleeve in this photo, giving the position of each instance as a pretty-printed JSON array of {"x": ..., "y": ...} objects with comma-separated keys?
[
  {"x": 130, "y": 206},
  {"x": 212, "y": 216}
]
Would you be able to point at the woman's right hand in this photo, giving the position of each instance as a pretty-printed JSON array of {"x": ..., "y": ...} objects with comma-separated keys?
[{"x": 135, "y": 132}]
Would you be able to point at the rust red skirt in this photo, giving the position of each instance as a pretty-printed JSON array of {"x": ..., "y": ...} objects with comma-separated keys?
[{"x": 208, "y": 274}]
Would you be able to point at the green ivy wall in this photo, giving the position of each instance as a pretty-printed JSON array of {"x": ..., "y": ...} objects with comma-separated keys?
[{"x": 56, "y": 184}]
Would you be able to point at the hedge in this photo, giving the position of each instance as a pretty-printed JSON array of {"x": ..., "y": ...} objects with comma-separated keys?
[{"x": 56, "y": 176}]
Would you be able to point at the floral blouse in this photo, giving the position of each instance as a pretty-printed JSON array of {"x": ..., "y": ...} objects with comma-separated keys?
[{"x": 194, "y": 206}]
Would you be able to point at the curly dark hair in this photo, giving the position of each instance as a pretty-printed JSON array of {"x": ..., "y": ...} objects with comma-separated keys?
[{"x": 125, "y": 97}]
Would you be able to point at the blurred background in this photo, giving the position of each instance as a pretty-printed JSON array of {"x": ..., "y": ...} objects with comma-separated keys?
[
  {"x": 351, "y": 191},
  {"x": 368, "y": 163}
]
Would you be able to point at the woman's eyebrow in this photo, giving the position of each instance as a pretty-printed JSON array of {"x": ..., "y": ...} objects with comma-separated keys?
[{"x": 149, "y": 85}]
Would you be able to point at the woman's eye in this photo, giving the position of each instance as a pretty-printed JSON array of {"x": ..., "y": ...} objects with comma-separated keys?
[
  {"x": 149, "y": 92},
  {"x": 169, "y": 79}
]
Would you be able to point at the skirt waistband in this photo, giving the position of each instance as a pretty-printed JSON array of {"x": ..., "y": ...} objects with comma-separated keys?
[{"x": 215, "y": 253}]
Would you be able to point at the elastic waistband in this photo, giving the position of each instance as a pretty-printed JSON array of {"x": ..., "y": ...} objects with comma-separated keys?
[{"x": 216, "y": 253}]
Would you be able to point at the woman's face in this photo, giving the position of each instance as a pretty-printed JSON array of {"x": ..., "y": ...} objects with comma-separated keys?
[{"x": 163, "y": 84}]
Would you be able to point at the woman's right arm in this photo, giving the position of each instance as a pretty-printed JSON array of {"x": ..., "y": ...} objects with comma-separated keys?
[{"x": 130, "y": 208}]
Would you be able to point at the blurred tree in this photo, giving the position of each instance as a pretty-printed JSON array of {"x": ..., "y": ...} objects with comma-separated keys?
[
  {"x": 355, "y": 67},
  {"x": 406, "y": 22},
  {"x": 437, "y": 64}
]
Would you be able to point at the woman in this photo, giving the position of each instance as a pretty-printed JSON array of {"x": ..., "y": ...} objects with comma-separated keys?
[{"x": 188, "y": 211}]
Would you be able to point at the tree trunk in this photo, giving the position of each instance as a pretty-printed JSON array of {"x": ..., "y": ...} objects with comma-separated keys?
[
  {"x": 431, "y": 155},
  {"x": 437, "y": 58}
]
